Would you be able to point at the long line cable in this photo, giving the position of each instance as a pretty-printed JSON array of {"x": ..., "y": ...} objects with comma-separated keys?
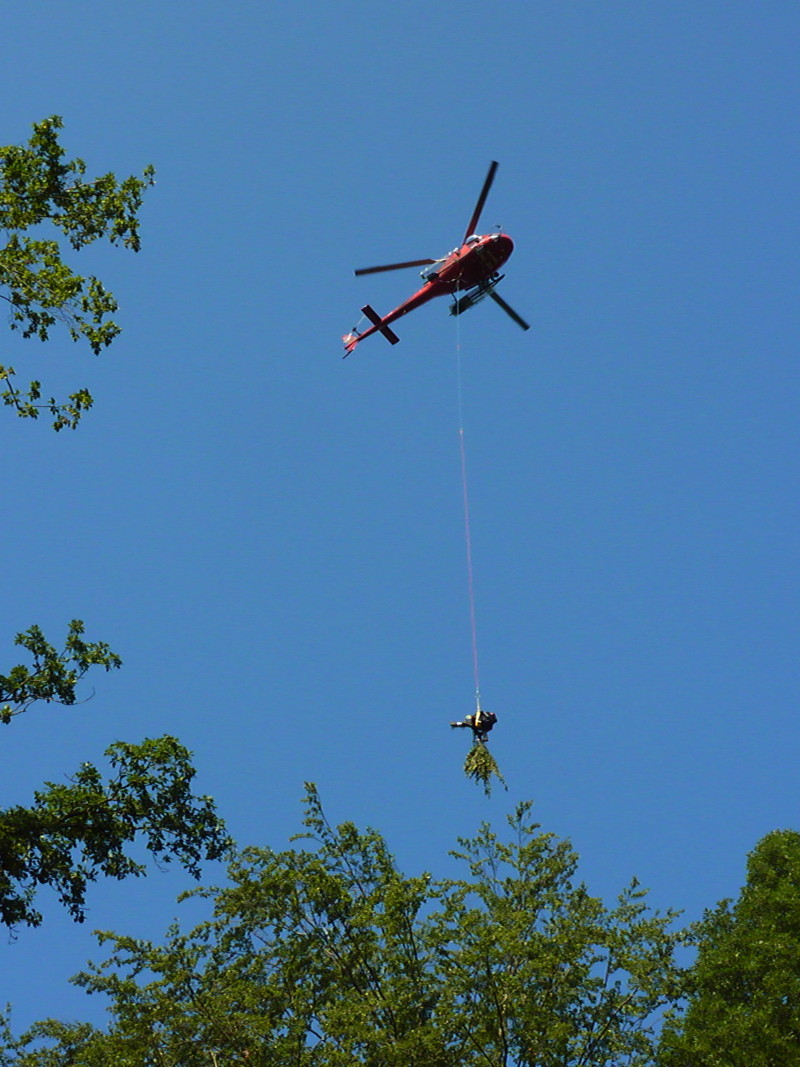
[{"x": 467, "y": 532}]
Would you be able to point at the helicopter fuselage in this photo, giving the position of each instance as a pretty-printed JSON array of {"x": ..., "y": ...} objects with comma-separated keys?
[{"x": 475, "y": 262}]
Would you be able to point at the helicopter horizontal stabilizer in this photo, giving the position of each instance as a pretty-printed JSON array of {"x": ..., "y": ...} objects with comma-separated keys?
[{"x": 377, "y": 321}]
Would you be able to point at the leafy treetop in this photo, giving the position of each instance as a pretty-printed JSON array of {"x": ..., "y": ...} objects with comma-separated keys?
[
  {"x": 40, "y": 188},
  {"x": 744, "y": 990},
  {"x": 328, "y": 956}
]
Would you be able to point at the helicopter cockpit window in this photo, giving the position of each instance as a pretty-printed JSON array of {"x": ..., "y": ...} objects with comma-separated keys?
[{"x": 473, "y": 238}]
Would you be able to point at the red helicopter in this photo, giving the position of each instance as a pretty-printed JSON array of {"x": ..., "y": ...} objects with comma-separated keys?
[{"x": 471, "y": 270}]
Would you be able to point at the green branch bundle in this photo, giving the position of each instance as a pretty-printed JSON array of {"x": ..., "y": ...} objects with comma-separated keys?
[{"x": 480, "y": 765}]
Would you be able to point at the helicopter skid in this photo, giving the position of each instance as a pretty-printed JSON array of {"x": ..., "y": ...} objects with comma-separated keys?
[{"x": 474, "y": 295}]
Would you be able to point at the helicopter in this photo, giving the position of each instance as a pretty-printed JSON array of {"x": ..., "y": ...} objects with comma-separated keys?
[{"x": 469, "y": 272}]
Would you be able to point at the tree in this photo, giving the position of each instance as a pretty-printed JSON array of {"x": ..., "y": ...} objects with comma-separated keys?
[
  {"x": 330, "y": 957},
  {"x": 82, "y": 828},
  {"x": 744, "y": 989},
  {"x": 39, "y": 188},
  {"x": 77, "y": 830}
]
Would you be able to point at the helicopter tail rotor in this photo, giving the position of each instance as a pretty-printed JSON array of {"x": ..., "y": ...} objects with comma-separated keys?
[{"x": 350, "y": 342}]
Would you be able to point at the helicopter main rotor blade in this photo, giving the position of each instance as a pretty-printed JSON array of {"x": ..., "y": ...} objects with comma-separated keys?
[
  {"x": 476, "y": 214},
  {"x": 397, "y": 266},
  {"x": 509, "y": 311}
]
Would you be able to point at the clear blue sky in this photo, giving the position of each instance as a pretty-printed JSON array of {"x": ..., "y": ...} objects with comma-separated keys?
[{"x": 272, "y": 538}]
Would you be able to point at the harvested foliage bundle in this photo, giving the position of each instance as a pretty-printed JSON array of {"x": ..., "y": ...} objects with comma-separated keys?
[{"x": 480, "y": 765}]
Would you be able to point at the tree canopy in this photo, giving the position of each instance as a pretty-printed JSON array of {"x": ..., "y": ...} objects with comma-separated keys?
[
  {"x": 329, "y": 956},
  {"x": 82, "y": 828},
  {"x": 44, "y": 199},
  {"x": 744, "y": 990}
]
